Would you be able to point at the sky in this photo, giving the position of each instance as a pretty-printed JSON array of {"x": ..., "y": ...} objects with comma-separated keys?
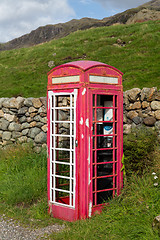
[{"x": 20, "y": 17}]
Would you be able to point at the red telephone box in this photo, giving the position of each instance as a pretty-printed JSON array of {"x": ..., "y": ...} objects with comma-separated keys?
[{"x": 85, "y": 138}]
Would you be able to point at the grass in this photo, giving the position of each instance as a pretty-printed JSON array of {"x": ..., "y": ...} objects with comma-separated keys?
[
  {"x": 24, "y": 71},
  {"x": 23, "y": 185},
  {"x": 23, "y": 196},
  {"x": 128, "y": 217}
]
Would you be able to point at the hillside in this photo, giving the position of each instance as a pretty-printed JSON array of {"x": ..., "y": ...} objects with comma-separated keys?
[
  {"x": 133, "y": 49},
  {"x": 145, "y": 12}
]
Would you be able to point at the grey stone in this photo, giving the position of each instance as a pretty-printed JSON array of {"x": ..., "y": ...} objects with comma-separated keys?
[
  {"x": 33, "y": 132},
  {"x": 1, "y": 101},
  {"x": 22, "y": 111},
  {"x": 151, "y": 114},
  {"x": 148, "y": 94},
  {"x": 42, "y": 110},
  {"x": 127, "y": 128},
  {"x": 1, "y": 132},
  {"x": 37, "y": 118},
  {"x": 137, "y": 120},
  {"x": 132, "y": 114},
  {"x": 39, "y": 124},
  {"x": 44, "y": 101},
  {"x": 32, "y": 110},
  {"x": 6, "y": 136},
  {"x": 157, "y": 125},
  {"x": 136, "y": 105},
  {"x": 6, "y": 103},
  {"x": 36, "y": 102},
  {"x": 16, "y": 102},
  {"x": 44, "y": 128},
  {"x": 145, "y": 104},
  {"x": 157, "y": 114},
  {"x": 22, "y": 139},
  {"x": 32, "y": 124},
  {"x": 16, "y": 135},
  {"x": 157, "y": 96},
  {"x": 25, "y": 125},
  {"x": 5, "y": 110},
  {"x": 4, "y": 124},
  {"x": 9, "y": 117},
  {"x": 29, "y": 119},
  {"x": 41, "y": 138},
  {"x": 133, "y": 94},
  {"x": 1, "y": 113},
  {"x": 142, "y": 114},
  {"x": 23, "y": 119},
  {"x": 44, "y": 120},
  {"x": 25, "y": 131},
  {"x": 28, "y": 102},
  {"x": 149, "y": 121},
  {"x": 155, "y": 105},
  {"x": 14, "y": 127}
]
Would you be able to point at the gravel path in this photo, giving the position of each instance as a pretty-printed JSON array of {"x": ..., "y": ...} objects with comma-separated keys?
[{"x": 10, "y": 230}]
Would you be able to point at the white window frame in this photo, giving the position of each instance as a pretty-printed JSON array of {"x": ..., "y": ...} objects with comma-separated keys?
[{"x": 71, "y": 150}]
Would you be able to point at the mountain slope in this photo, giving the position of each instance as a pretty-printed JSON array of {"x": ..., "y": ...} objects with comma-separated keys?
[
  {"x": 133, "y": 49},
  {"x": 145, "y": 12}
]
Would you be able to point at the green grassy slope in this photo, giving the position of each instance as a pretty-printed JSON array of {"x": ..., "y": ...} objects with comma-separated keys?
[{"x": 24, "y": 71}]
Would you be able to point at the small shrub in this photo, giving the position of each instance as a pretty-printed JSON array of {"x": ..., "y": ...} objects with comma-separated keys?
[{"x": 138, "y": 150}]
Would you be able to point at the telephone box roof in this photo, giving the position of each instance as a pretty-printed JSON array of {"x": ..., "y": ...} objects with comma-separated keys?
[{"x": 85, "y": 65}]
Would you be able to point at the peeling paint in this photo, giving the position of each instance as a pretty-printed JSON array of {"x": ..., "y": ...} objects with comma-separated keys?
[
  {"x": 87, "y": 122},
  {"x": 90, "y": 209},
  {"x": 84, "y": 91},
  {"x": 81, "y": 121},
  {"x": 82, "y": 136}
]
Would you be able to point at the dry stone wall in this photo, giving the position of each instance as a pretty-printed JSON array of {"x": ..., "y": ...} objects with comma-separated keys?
[
  {"x": 141, "y": 107},
  {"x": 25, "y": 119}
]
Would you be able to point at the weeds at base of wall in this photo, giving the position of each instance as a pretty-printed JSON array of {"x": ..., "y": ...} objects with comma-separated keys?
[{"x": 139, "y": 149}]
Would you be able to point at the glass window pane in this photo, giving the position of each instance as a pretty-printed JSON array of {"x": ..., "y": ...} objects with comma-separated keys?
[
  {"x": 62, "y": 114},
  {"x": 62, "y": 170},
  {"x": 103, "y": 197},
  {"x": 104, "y": 142},
  {"x": 104, "y": 128},
  {"x": 62, "y": 101},
  {"x": 62, "y": 142},
  {"x": 62, "y": 183},
  {"x": 104, "y": 183},
  {"x": 105, "y": 169},
  {"x": 108, "y": 114},
  {"x": 62, "y": 128},
  {"x": 100, "y": 114},
  {"x": 62, "y": 156},
  {"x": 102, "y": 99},
  {"x": 105, "y": 156}
]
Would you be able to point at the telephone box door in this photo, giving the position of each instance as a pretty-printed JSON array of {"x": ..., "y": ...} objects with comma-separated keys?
[
  {"x": 105, "y": 147},
  {"x": 62, "y": 144}
]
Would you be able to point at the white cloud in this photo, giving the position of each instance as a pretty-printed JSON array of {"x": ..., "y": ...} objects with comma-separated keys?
[{"x": 22, "y": 16}]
